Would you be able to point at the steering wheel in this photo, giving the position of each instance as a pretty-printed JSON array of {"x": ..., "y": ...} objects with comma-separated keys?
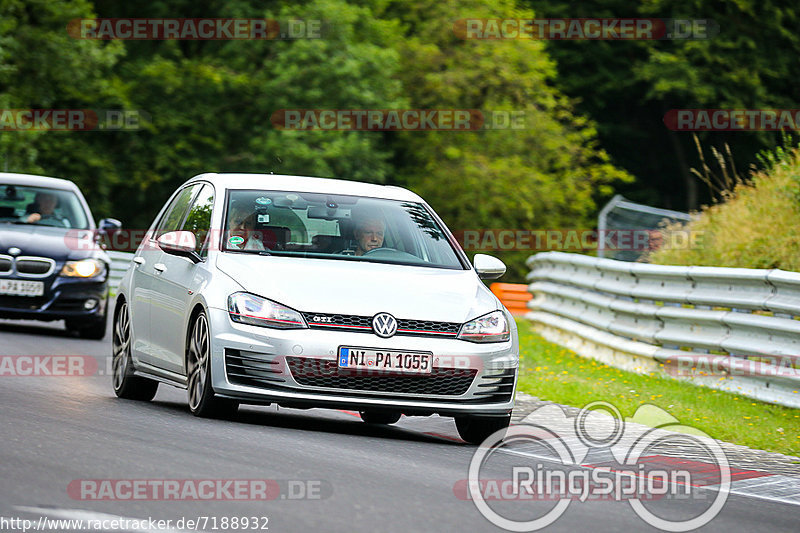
[{"x": 381, "y": 249}]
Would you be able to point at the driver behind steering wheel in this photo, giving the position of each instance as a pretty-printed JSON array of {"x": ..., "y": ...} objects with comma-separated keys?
[
  {"x": 369, "y": 233},
  {"x": 43, "y": 210}
]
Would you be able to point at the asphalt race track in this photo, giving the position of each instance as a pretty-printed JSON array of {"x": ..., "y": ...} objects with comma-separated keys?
[{"x": 335, "y": 473}]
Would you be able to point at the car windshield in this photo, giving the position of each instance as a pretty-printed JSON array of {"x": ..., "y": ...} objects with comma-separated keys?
[
  {"x": 326, "y": 226},
  {"x": 21, "y": 204}
]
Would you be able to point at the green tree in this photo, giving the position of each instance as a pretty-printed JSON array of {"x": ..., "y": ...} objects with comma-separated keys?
[
  {"x": 627, "y": 86},
  {"x": 42, "y": 67},
  {"x": 550, "y": 174}
]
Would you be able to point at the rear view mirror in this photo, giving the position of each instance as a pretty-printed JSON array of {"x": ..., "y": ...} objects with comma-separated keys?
[
  {"x": 11, "y": 194},
  {"x": 329, "y": 213}
]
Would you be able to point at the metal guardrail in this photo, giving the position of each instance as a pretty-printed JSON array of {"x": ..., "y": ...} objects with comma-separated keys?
[
  {"x": 729, "y": 328},
  {"x": 119, "y": 264}
]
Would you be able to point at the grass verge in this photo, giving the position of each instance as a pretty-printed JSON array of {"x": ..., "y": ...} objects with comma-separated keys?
[{"x": 551, "y": 372}]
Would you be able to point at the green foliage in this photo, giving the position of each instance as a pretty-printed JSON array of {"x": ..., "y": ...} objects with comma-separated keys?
[
  {"x": 550, "y": 174},
  {"x": 628, "y": 86},
  {"x": 41, "y": 66},
  {"x": 210, "y": 103}
]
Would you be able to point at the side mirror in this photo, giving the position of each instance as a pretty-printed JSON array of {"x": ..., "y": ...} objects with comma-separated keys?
[
  {"x": 488, "y": 267},
  {"x": 109, "y": 225},
  {"x": 106, "y": 229},
  {"x": 180, "y": 243}
]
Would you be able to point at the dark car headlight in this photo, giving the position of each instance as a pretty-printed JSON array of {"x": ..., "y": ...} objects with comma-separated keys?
[
  {"x": 247, "y": 308},
  {"x": 85, "y": 268},
  {"x": 492, "y": 327}
]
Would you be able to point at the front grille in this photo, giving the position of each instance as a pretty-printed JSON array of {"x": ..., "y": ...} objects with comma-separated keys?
[
  {"x": 324, "y": 373},
  {"x": 35, "y": 266},
  {"x": 405, "y": 327},
  {"x": 251, "y": 369},
  {"x": 5, "y": 264},
  {"x": 497, "y": 387}
]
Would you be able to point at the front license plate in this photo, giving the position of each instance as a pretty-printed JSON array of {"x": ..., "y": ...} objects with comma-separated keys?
[
  {"x": 385, "y": 360},
  {"x": 16, "y": 287}
]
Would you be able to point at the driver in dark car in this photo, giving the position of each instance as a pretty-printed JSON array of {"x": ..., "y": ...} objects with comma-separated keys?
[
  {"x": 44, "y": 207},
  {"x": 369, "y": 234}
]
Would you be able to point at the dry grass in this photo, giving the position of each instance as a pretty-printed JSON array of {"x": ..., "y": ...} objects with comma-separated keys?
[{"x": 757, "y": 226}]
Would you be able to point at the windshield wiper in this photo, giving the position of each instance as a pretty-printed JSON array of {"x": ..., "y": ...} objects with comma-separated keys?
[{"x": 264, "y": 252}]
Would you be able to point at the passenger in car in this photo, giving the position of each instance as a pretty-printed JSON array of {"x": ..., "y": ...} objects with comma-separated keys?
[{"x": 241, "y": 226}]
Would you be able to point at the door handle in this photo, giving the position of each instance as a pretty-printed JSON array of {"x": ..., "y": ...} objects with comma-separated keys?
[
  {"x": 139, "y": 260},
  {"x": 159, "y": 267}
]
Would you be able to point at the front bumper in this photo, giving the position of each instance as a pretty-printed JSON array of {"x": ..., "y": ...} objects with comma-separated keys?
[
  {"x": 63, "y": 299},
  {"x": 481, "y": 377}
]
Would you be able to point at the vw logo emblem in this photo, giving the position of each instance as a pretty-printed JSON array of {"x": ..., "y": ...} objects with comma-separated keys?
[
  {"x": 384, "y": 325},
  {"x": 14, "y": 251}
]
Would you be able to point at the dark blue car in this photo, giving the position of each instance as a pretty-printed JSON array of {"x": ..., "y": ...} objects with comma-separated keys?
[{"x": 51, "y": 267}]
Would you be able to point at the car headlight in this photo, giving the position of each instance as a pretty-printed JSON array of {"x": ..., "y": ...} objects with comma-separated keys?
[
  {"x": 487, "y": 328},
  {"x": 85, "y": 268},
  {"x": 248, "y": 308}
]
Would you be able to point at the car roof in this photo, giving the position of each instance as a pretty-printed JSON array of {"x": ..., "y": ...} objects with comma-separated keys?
[
  {"x": 12, "y": 178},
  {"x": 281, "y": 182}
]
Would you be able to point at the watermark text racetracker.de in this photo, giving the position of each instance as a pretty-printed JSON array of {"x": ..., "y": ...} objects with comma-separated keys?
[
  {"x": 729, "y": 366},
  {"x": 488, "y": 240},
  {"x": 592, "y": 456},
  {"x": 732, "y": 119},
  {"x": 591, "y": 29},
  {"x": 198, "y": 489},
  {"x": 578, "y": 240},
  {"x": 196, "y": 29},
  {"x": 72, "y": 119},
  {"x": 120, "y": 523},
  {"x": 48, "y": 366},
  {"x": 399, "y": 119}
]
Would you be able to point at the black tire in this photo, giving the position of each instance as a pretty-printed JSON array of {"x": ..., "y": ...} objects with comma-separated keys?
[
  {"x": 202, "y": 400},
  {"x": 126, "y": 385},
  {"x": 379, "y": 417},
  {"x": 476, "y": 429}
]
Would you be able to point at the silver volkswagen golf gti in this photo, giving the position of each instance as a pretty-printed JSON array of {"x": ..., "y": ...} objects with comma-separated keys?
[{"x": 309, "y": 292}]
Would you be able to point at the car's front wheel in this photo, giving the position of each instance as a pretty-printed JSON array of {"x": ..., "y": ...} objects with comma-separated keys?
[
  {"x": 476, "y": 429},
  {"x": 202, "y": 400},
  {"x": 126, "y": 385}
]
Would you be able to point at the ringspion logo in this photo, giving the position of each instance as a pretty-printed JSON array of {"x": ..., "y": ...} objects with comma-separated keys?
[{"x": 632, "y": 470}]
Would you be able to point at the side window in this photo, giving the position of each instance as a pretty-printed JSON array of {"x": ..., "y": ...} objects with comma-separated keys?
[
  {"x": 173, "y": 216},
  {"x": 198, "y": 221}
]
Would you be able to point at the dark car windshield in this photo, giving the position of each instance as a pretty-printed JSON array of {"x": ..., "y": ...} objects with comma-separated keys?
[
  {"x": 22, "y": 204},
  {"x": 335, "y": 227}
]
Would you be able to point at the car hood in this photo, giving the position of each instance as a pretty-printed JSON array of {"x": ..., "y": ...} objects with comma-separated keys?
[
  {"x": 47, "y": 241},
  {"x": 356, "y": 288}
]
